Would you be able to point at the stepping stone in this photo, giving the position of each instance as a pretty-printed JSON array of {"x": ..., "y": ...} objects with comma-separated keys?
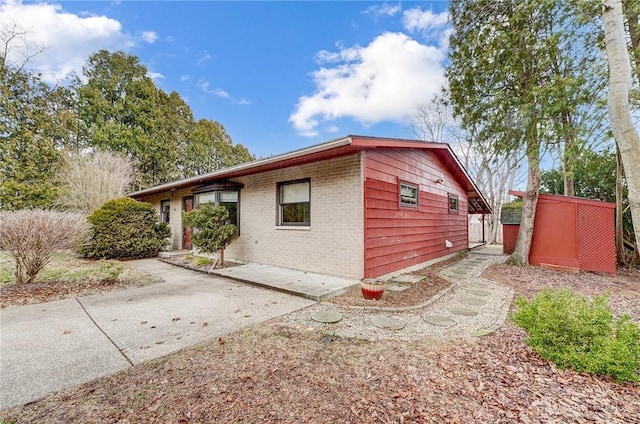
[
  {"x": 477, "y": 285},
  {"x": 474, "y": 301},
  {"x": 408, "y": 278},
  {"x": 463, "y": 312},
  {"x": 394, "y": 287},
  {"x": 440, "y": 321},
  {"x": 328, "y": 317},
  {"x": 387, "y": 323},
  {"x": 480, "y": 292}
]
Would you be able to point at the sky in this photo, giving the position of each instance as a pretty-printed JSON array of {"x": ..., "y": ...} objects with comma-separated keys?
[{"x": 278, "y": 76}]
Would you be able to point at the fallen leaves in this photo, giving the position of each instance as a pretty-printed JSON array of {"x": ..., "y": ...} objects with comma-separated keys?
[{"x": 276, "y": 373}]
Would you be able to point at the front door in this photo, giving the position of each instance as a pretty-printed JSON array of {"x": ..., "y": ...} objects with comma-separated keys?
[{"x": 187, "y": 206}]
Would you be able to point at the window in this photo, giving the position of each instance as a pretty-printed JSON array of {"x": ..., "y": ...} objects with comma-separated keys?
[
  {"x": 294, "y": 201},
  {"x": 453, "y": 203},
  {"x": 227, "y": 198},
  {"x": 408, "y": 195},
  {"x": 165, "y": 210}
]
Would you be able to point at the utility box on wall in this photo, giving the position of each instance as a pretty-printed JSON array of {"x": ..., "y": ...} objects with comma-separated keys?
[{"x": 571, "y": 232}]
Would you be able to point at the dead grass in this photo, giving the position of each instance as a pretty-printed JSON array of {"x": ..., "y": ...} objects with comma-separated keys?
[{"x": 68, "y": 276}]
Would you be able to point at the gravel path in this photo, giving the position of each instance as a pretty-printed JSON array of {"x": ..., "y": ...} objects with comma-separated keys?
[{"x": 472, "y": 306}]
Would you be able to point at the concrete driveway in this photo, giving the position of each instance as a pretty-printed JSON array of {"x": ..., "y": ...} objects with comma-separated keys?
[{"x": 51, "y": 346}]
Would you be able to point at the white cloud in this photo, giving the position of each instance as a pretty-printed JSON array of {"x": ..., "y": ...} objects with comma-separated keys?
[
  {"x": 380, "y": 82},
  {"x": 155, "y": 75},
  {"x": 204, "y": 86},
  {"x": 425, "y": 21},
  {"x": 384, "y": 9},
  {"x": 205, "y": 58},
  {"x": 220, "y": 93},
  {"x": 68, "y": 39},
  {"x": 184, "y": 78},
  {"x": 149, "y": 36}
]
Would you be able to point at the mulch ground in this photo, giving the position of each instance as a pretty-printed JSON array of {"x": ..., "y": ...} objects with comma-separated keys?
[{"x": 275, "y": 373}]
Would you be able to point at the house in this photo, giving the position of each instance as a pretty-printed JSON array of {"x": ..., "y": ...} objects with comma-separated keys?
[{"x": 355, "y": 207}]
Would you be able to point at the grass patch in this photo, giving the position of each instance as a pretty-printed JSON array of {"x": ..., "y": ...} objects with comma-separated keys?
[
  {"x": 66, "y": 267},
  {"x": 202, "y": 261}
]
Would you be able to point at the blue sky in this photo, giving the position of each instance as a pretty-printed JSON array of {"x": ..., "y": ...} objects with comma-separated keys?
[{"x": 278, "y": 75}]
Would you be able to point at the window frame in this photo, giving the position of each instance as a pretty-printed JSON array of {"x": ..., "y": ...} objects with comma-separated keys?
[
  {"x": 414, "y": 186},
  {"x": 280, "y": 214},
  {"x": 165, "y": 216},
  {"x": 454, "y": 197},
  {"x": 216, "y": 201}
]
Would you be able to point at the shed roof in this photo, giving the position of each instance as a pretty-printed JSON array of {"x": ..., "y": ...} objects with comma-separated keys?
[
  {"x": 335, "y": 148},
  {"x": 569, "y": 199}
]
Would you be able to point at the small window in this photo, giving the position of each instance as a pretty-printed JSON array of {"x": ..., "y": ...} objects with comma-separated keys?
[
  {"x": 409, "y": 195},
  {"x": 453, "y": 203},
  {"x": 294, "y": 201},
  {"x": 165, "y": 210}
]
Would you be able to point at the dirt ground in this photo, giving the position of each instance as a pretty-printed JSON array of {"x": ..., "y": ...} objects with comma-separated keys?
[{"x": 275, "y": 373}]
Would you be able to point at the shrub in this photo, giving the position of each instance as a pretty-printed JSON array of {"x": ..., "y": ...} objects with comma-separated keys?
[
  {"x": 212, "y": 232},
  {"x": 125, "y": 228},
  {"x": 32, "y": 236},
  {"x": 87, "y": 182},
  {"x": 573, "y": 331}
]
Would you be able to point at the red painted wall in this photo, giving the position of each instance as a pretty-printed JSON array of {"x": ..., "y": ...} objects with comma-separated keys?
[
  {"x": 509, "y": 238},
  {"x": 571, "y": 232},
  {"x": 396, "y": 237}
]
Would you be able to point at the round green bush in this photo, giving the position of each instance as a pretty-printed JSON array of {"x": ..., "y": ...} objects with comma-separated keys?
[
  {"x": 574, "y": 331},
  {"x": 125, "y": 228}
]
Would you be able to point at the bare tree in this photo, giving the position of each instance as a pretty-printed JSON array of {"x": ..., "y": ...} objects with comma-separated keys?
[
  {"x": 87, "y": 182},
  {"x": 494, "y": 173},
  {"x": 16, "y": 47},
  {"x": 620, "y": 82},
  {"x": 32, "y": 236}
]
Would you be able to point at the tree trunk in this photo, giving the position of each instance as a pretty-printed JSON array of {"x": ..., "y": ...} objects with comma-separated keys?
[
  {"x": 520, "y": 255},
  {"x": 620, "y": 252},
  {"x": 634, "y": 31},
  {"x": 620, "y": 80}
]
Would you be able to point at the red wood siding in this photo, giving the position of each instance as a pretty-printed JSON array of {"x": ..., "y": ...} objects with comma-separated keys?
[{"x": 397, "y": 237}]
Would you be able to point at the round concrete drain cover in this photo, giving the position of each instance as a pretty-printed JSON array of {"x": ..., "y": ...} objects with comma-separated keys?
[
  {"x": 472, "y": 301},
  {"x": 463, "y": 312},
  {"x": 327, "y": 317},
  {"x": 480, "y": 292},
  {"x": 441, "y": 321},
  {"x": 387, "y": 322}
]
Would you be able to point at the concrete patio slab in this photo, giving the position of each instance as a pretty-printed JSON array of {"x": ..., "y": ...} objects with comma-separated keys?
[{"x": 306, "y": 284}]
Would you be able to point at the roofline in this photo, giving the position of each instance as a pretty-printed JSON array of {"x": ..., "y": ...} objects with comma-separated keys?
[
  {"x": 356, "y": 141},
  {"x": 569, "y": 199},
  {"x": 338, "y": 142}
]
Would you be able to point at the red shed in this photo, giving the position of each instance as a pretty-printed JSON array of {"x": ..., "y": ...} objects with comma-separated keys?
[{"x": 571, "y": 232}]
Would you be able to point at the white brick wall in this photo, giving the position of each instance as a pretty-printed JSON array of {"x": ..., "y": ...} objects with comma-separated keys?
[
  {"x": 333, "y": 244},
  {"x": 175, "y": 220}
]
